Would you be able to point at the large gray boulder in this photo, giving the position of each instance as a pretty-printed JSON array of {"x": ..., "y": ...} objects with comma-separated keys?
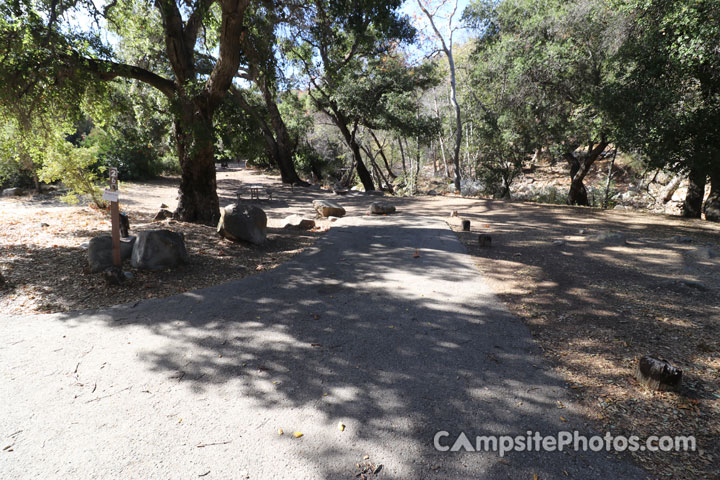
[
  {"x": 12, "y": 192},
  {"x": 381, "y": 208},
  {"x": 326, "y": 208},
  {"x": 298, "y": 222},
  {"x": 100, "y": 252},
  {"x": 243, "y": 223},
  {"x": 158, "y": 249}
]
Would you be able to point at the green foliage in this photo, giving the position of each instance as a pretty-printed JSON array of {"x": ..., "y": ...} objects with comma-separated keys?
[
  {"x": 132, "y": 131},
  {"x": 77, "y": 168},
  {"x": 666, "y": 97}
]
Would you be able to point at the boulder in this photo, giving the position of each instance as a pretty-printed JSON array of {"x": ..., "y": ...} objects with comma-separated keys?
[
  {"x": 12, "y": 192},
  {"x": 381, "y": 208},
  {"x": 243, "y": 223},
  {"x": 298, "y": 222},
  {"x": 100, "y": 251},
  {"x": 162, "y": 215},
  {"x": 158, "y": 249},
  {"x": 327, "y": 208}
]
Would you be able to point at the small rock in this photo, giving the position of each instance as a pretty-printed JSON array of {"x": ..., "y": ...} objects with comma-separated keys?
[
  {"x": 333, "y": 219},
  {"x": 608, "y": 237},
  {"x": 113, "y": 275},
  {"x": 158, "y": 249},
  {"x": 163, "y": 206},
  {"x": 100, "y": 254},
  {"x": 454, "y": 213},
  {"x": 703, "y": 252},
  {"x": 327, "y": 208},
  {"x": 12, "y": 192},
  {"x": 162, "y": 215},
  {"x": 558, "y": 243},
  {"x": 298, "y": 222},
  {"x": 678, "y": 239},
  {"x": 466, "y": 225},
  {"x": 44, "y": 225},
  {"x": 381, "y": 208},
  {"x": 485, "y": 240},
  {"x": 243, "y": 223}
]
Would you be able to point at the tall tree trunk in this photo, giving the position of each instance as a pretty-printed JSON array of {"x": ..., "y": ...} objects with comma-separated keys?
[
  {"x": 402, "y": 157},
  {"x": 352, "y": 144},
  {"x": 378, "y": 171},
  {"x": 447, "y": 48},
  {"x": 382, "y": 154},
  {"x": 442, "y": 142},
  {"x": 458, "y": 124},
  {"x": 712, "y": 204},
  {"x": 198, "y": 201},
  {"x": 692, "y": 207},
  {"x": 606, "y": 198},
  {"x": 282, "y": 138}
]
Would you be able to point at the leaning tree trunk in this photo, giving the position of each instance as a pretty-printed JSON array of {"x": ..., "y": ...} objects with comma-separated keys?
[
  {"x": 352, "y": 144},
  {"x": 712, "y": 204},
  {"x": 362, "y": 171},
  {"x": 692, "y": 207},
  {"x": 579, "y": 168},
  {"x": 198, "y": 201},
  {"x": 578, "y": 193},
  {"x": 282, "y": 138}
]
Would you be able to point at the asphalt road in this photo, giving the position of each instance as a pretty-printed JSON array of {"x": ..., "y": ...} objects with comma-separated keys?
[{"x": 357, "y": 330}]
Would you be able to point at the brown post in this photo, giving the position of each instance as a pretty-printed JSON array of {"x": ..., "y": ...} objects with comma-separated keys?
[{"x": 115, "y": 219}]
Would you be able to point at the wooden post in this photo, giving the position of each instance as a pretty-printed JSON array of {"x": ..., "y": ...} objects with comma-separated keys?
[{"x": 115, "y": 218}]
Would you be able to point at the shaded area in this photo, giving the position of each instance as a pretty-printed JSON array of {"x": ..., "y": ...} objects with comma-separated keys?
[
  {"x": 619, "y": 286},
  {"x": 356, "y": 330}
]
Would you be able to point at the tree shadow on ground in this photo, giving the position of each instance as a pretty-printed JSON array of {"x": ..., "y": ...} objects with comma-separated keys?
[
  {"x": 397, "y": 345},
  {"x": 613, "y": 287}
]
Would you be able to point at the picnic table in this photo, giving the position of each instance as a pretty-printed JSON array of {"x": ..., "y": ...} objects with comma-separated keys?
[{"x": 256, "y": 189}]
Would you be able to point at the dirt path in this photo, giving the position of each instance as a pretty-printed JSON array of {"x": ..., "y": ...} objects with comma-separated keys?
[{"x": 358, "y": 330}]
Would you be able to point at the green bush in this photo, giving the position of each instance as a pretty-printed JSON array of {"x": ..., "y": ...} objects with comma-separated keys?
[{"x": 77, "y": 168}]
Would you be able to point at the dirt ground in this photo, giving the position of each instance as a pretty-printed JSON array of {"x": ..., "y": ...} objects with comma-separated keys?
[
  {"x": 598, "y": 289},
  {"x": 43, "y": 248},
  {"x": 601, "y": 289}
]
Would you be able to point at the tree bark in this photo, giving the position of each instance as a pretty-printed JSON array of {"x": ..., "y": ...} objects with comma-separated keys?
[
  {"x": 692, "y": 207},
  {"x": 712, "y": 204},
  {"x": 282, "y": 140},
  {"x": 382, "y": 154},
  {"x": 198, "y": 200},
  {"x": 579, "y": 168},
  {"x": 378, "y": 172},
  {"x": 352, "y": 144},
  {"x": 448, "y": 50},
  {"x": 442, "y": 143}
]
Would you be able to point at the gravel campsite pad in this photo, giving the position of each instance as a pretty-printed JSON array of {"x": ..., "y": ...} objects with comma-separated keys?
[{"x": 597, "y": 289}]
